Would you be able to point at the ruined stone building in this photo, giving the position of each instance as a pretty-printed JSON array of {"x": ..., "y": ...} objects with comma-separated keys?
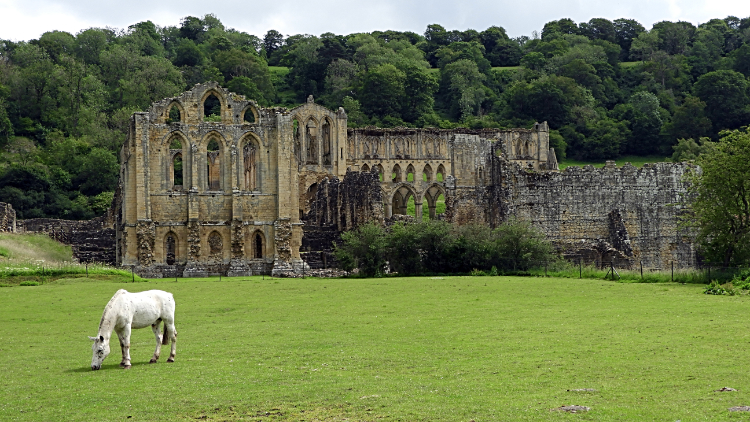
[{"x": 212, "y": 183}]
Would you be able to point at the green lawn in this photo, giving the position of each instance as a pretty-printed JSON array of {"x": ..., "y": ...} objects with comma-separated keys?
[
  {"x": 399, "y": 349},
  {"x": 635, "y": 160},
  {"x": 278, "y": 70}
]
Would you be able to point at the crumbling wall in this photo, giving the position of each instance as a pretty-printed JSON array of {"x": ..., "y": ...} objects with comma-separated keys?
[
  {"x": 91, "y": 240},
  {"x": 628, "y": 214},
  {"x": 7, "y": 218},
  {"x": 339, "y": 206}
]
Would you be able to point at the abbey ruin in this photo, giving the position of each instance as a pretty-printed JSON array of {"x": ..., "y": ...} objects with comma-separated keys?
[{"x": 212, "y": 183}]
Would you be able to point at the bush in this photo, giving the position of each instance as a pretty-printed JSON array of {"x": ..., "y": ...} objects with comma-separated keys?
[
  {"x": 363, "y": 248},
  {"x": 721, "y": 289},
  {"x": 437, "y": 247}
]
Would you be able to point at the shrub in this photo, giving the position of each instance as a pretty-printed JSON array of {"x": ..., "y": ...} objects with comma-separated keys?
[{"x": 363, "y": 248}]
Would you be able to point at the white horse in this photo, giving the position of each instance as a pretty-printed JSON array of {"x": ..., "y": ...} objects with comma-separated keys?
[{"x": 135, "y": 310}]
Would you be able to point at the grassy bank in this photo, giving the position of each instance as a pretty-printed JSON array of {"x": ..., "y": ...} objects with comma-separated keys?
[
  {"x": 432, "y": 349},
  {"x": 33, "y": 259},
  {"x": 632, "y": 159}
]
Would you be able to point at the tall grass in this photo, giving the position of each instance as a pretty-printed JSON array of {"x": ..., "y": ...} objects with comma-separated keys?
[{"x": 565, "y": 269}]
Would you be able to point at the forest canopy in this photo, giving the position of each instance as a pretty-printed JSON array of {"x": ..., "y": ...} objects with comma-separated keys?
[{"x": 606, "y": 88}]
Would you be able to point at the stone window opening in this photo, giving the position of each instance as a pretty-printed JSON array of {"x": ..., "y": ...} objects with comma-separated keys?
[
  {"x": 410, "y": 173},
  {"x": 326, "y": 129},
  {"x": 381, "y": 172},
  {"x": 212, "y": 109},
  {"x": 249, "y": 159},
  {"x": 403, "y": 202},
  {"x": 177, "y": 169},
  {"x": 174, "y": 115},
  {"x": 258, "y": 246},
  {"x": 440, "y": 173},
  {"x": 435, "y": 203},
  {"x": 170, "y": 248},
  {"x": 396, "y": 174},
  {"x": 213, "y": 166},
  {"x": 215, "y": 243},
  {"x": 365, "y": 168},
  {"x": 249, "y": 116},
  {"x": 311, "y": 142},
  {"x": 427, "y": 173}
]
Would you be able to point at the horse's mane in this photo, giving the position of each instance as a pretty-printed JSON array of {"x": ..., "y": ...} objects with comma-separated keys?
[{"x": 109, "y": 306}]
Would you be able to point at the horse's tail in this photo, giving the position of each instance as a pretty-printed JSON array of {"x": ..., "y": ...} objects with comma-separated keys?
[{"x": 164, "y": 337}]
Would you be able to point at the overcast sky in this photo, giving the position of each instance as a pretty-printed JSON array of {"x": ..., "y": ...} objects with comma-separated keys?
[{"x": 28, "y": 19}]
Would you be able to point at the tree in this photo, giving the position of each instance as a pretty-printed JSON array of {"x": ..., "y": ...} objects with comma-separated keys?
[
  {"x": 272, "y": 41},
  {"x": 626, "y": 30},
  {"x": 6, "y": 127},
  {"x": 674, "y": 37},
  {"x": 644, "y": 45},
  {"x": 188, "y": 54},
  {"x": 599, "y": 29},
  {"x": 463, "y": 84},
  {"x": 646, "y": 124},
  {"x": 383, "y": 91},
  {"x": 725, "y": 93},
  {"x": 689, "y": 120},
  {"x": 742, "y": 60},
  {"x": 363, "y": 248},
  {"x": 720, "y": 206},
  {"x": 519, "y": 246},
  {"x": 559, "y": 27}
]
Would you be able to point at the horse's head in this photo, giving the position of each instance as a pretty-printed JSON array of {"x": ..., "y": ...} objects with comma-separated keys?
[{"x": 100, "y": 350}]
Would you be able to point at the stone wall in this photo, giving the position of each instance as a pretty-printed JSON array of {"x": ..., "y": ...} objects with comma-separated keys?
[
  {"x": 626, "y": 214},
  {"x": 91, "y": 240},
  {"x": 339, "y": 206}
]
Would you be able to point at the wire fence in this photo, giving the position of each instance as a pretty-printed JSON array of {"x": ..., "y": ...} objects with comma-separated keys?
[{"x": 632, "y": 271}]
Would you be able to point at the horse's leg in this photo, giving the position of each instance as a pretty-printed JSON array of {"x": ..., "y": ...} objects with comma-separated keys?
[
  {"x": 157, "y": 352},
  {"x": 125, "y": 342},
  {"x": 122, "y": 347},
  {"x": 171, "y": 331}
]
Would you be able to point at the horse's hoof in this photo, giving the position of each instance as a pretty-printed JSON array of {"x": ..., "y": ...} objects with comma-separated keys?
[
  {"x": 170, "y": 360},
  {"x": 126, "y": 367},
  {"x": 152, "y": 360}
]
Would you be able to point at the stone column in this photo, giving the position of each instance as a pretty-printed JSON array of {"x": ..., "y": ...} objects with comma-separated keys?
[{"x": 418, "y": 211}]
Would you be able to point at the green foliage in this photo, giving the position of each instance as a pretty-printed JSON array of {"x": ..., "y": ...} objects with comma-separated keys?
[
  {"x": 720, "y": 289},
  {"x": 720, "y": 194},
  {"x": 725, "y": 93},
  {"x": 606, "y": 87},
  {"x": 363, "y": 248},
  {"x": 689, "y": 150},
  {"x": 438, "y": 247}
]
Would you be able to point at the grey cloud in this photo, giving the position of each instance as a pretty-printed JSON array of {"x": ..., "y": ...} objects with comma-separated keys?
[{"x": 344, "y": 17}]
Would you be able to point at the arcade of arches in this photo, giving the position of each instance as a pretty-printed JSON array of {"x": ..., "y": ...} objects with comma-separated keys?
[{"x": 214, "y": 184}]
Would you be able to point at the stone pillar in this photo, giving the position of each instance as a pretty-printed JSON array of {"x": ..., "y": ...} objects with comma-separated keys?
[
  {"x": 388, "y": 210},
  {"x": 238, "y": 266},
  {"x": 418, "y": 211}
]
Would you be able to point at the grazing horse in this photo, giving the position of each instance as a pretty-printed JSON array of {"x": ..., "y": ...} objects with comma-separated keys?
[{"x": 135, "y": 310}]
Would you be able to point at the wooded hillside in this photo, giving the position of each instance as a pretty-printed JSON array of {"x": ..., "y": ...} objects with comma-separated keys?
[{"x": 607, "y": 88}]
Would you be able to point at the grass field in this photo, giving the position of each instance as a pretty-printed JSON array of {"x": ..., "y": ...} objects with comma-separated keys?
[
  {"x": 399, "y": 349},
  {"x": 635, "y": 160}
]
